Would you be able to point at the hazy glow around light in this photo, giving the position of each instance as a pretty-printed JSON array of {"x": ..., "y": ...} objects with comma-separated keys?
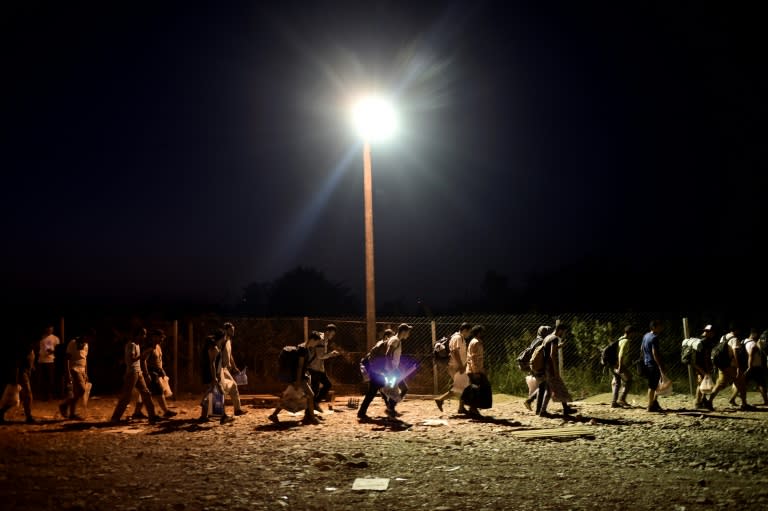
[{"x": 374, "y": 118}]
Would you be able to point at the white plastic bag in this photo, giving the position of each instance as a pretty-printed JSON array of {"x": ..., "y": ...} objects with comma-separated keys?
[
  {"x": 706, "y": 385},
  {"x": 165, "y": 386},
  {"x": 532, "y": 384},
  {"x": 392, "y": 393},
  {"x": 665, "y": 386},
  {"x": 460, "y": 382},
  {"x": 241, "y": 378},
  {"x": 293, "y": 399}
]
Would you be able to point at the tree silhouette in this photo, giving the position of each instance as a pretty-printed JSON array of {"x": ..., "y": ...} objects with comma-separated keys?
[{"x": 299, "y": 292}]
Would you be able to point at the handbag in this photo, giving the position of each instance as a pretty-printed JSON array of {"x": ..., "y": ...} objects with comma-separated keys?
[{"x": 165, "y": 386}]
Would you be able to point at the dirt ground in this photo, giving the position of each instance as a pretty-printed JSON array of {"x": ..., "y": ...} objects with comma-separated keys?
[{"x": 678, "y": 460}]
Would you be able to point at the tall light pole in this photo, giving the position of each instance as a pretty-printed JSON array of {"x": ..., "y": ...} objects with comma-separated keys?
[{"x": 374, "y": 119}]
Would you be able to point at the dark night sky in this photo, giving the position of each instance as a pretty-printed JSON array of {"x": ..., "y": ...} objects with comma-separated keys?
[{"x": 178, "y": 151}]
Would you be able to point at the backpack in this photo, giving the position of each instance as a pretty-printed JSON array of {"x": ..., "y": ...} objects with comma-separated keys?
[
  {"x": 537, "y": 359},
  {"x": 609, "y": 355},
  {"x": 524, "y": 358},
  {"x": 721, "y": 355},
  {"x": 689, "y": 349},
  {"x": 288, "y": 364},
  {"x": 441, "y": 352}
]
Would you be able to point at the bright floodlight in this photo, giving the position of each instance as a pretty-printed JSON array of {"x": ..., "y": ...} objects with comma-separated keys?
[{"x": 374, "y": 118}]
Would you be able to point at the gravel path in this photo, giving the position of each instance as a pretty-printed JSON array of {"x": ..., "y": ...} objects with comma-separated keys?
[{"x": 617, "y": 459}]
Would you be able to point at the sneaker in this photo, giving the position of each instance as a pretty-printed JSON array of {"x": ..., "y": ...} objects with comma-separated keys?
[
  {"x": 76, "y": 417},
  {"x": 527, "y": 405},
  {"x": 273, "y": 418},
  {"x": 170, "y": 413},
  {"x": 569, "y": 410},
  {"x": 545, "y": 415},
  {"x": 623, "y": 403},
  {"x": 318, "y": 409},
  {"x": 138, "y": 415},
  {"x": 226, "y": 419},
  {"x": 240, "y": 412},
  {"x": 363, "y": 418},
  {"x": 439, "y": 403},
  {"x": 747, "y": 408},
  {"x": 615, "y": 405},
  {"x": 462, "y": 411},
  {"x": 63, "y": 410},
  {"x": 30, "y": 420},
  {"x": 203, "y": 418},
  {"x": 391, "y": 413}
]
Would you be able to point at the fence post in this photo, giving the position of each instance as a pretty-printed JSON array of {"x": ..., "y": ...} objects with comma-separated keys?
[
  {"x": 175, "y": 358},
  {"x": 686, "y": 334},
  {"x": 191, "y": 355},
  {"x": 306, "y": 329},
  {"x": 434, "y": 362}
]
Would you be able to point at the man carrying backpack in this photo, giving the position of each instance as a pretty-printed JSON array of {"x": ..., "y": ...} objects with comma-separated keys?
[
  {"x": 701, "y": 363},
  {"x": 321, "y": 385},
  {"x": 382, "y": 362},
  {"x": 731, "y": 372},
  {"x": 755, "y": 372},
  {"x": 301, "y": 379},
  {"x": 457, "y": 348},
  {"x": 622, "y": 375},
  {"x": 555, "y": 388},
  {"x": 542, "y": 332}
]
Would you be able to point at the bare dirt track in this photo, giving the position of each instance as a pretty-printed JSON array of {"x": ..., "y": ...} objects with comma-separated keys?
[{"x": 616, "y": 459}]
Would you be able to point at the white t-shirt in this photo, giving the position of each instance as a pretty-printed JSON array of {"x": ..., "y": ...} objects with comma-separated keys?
[
  {"x": 47, "y": 343},
  {"x": 457, "y": 343},
  {"x": 751, "y": 346}
]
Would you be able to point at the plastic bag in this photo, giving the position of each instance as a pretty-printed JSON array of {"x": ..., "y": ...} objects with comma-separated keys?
[
  {"x": 364, "y": 372},
  {"x": 293, "y": 399},
  {"x": 87, "y": 393},
  {"x": 460, "y": 382},
  {"x": 665, "y": 386},
  {"x": 392, "y": 393},
  {"x": 165, "y": 386},
  {"x": 241, "y": 378},
  {"x": 10, "y": 397},
  {"x": 706, "y": 385},
  {"x": 532, "y": 384},
  {"x": 214, "y": 401}
]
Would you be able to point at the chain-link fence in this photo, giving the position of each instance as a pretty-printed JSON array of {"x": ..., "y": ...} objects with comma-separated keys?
[{"x": 258, "y": 341}]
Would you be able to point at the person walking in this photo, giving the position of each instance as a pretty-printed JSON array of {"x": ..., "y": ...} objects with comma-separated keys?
[
  {"x": 622, "y": 374},
  {"x": 228, "y": 368},
  {"x": 541, "y": 333},
  {"x": 457, "y": 365},
  {"x": 77, "y": 373},
  {"x": 654, "y": 363},
  {"x": 733, "y": 372},
  {"x": 152, "y": 368},
  {"x": 321, "y": 384},
  {"x": 554, "y": 388},
  {"x": 301, "y": 381},
  {"x": 480, "y": 387},
  {"x": 134, "y": 378}
]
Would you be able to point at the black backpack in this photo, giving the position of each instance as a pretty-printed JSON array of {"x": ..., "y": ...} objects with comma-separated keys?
[
  {"x": 288, "y": 363},
  {"x": 524, "y": 358},
  {"x": 721, "y": 355},
  {"x": 609, "y": 355},
  {"x": 441, "y": 351}
]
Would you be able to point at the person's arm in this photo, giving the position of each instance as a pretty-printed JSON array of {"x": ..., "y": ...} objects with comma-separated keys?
[
  {"x": 456, "y": 354},
  {"x": 212, "y": 352},
  {"x": 622, "y": 354}
]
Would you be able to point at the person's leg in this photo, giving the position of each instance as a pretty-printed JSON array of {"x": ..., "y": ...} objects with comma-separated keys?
[
  {"x": 373, "y": 388},
  {"x": 626, "y": 378},
  {"x": 78, "y": 391},
  {"x": 541, "y": 392},
  {"x": 26, "y": 395},
  {"x": 125, "y": 396},
  {"x": 324, "y": 387},
  {"x": 146, "y": 397},
  {"x": 309, "y": 411},
  {"x": 273, "y": 416},
  {"x": 654, "y": 376},
  {"x": 723, "y": 380},
  {"x": 234, "y": 395},
  {"x": 615, "y": 385}
]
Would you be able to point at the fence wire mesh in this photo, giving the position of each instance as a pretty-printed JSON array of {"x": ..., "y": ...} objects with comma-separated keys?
[{"x": 258, "y": 341}]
